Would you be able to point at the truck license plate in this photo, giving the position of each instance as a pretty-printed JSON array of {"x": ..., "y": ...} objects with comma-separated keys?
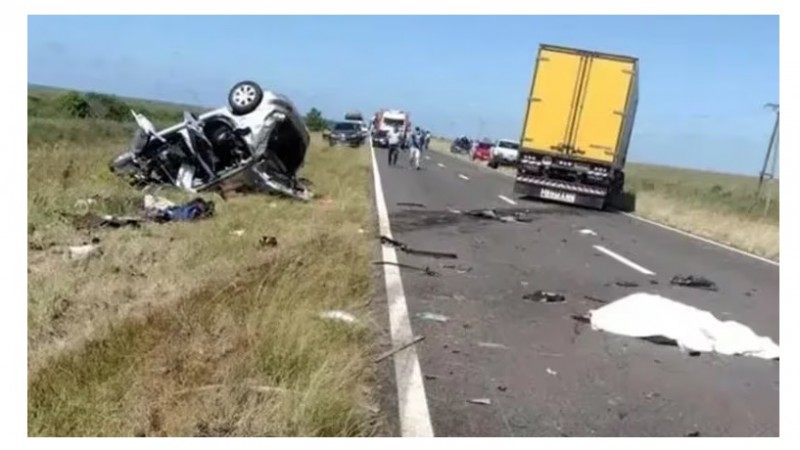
[{"x": 556, "y": 195}]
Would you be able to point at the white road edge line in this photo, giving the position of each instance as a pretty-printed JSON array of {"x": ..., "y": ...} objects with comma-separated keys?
[
  {"x": 415, "y": 420},
  {"x": 507, "y": 200},
  {"x": 441, "y": 165},
  {"x": 701, "y": 239},
  {"x": 463, "y": 177},
  {"x": 624, "y": 260}
]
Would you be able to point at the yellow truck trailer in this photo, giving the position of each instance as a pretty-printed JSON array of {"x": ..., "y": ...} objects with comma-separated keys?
[{"x": 577, "y": 127}]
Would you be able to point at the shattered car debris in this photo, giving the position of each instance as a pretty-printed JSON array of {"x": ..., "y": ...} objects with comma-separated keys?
[
  {"x": 544, "y": 297},
  {"x": 694, "y": 282},
  {"x": 259, "y": 139}
]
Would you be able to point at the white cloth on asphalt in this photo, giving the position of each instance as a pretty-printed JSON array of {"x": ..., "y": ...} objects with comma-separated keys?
[{"x": 648, "y": 315}]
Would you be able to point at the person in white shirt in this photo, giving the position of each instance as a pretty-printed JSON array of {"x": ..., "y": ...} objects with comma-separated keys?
[{"x": 393, "y": 138}]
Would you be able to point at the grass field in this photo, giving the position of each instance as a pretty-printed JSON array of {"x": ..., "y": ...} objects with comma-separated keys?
[
  {"x": 717, "y": 206},
  {"x": 189, "y": 328}
]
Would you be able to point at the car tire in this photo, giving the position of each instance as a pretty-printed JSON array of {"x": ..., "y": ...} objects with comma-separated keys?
[
  {"x": 492, "y": 164},
  {"x": 244, "y": 97}
]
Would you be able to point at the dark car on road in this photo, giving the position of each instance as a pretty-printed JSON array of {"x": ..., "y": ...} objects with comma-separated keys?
[
  {"x": 349, "y": 133},
  {"x": 461, "y": 146}
]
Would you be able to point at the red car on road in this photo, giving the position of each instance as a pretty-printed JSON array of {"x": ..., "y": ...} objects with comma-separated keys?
[{"x": 482, "y": 151}]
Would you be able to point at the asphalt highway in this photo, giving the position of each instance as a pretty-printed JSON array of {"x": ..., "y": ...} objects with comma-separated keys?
[{"x": 501, "y": 365}]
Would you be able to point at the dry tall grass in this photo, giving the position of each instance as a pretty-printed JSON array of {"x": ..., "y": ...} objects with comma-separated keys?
[
  {"x": 188, "y": 328},
  {"x": 720, "y": 207}
]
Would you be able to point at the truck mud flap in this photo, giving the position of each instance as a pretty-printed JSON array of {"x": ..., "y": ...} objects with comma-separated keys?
[{"x": 559, "y": 195}]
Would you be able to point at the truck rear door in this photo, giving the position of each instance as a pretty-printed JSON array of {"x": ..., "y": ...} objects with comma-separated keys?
[
  {"x": 602, "y": 109},
  {"x": 552, "y": 100}
]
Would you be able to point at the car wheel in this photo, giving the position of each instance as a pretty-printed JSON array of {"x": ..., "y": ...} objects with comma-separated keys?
[
  {"x": 492, "y": 164},
  {"x": 245, "y": 97}
]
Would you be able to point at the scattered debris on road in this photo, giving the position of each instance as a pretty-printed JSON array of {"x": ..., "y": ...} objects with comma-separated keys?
[
  {"x": 411, "y": 251},
  {"x": 502, "y": 388},
  {"x": 551, "y": 372},
  {"x": 411, "y": 204},
  {"x": 480, "y": 401},
  {"x": 426, "y": 270},
  {"x": 587, "y": 232},
  {"x": 433, "y": 316},
  {"x": 492, "y": 214},
  {"x": 398, "y": 349},
  {"x": 268, "y": 241},
  {"x": 430, "y": 377},
  {"x": 664, "y": 321},
  {"x": 462, "y": 269},
  {"x": 239, "y": 233},
  {"x": 626, "y": 284},
  {"x": 494, "y": 345},
  {"x": 694, "y": 282},
  {"x": 693, "y": 434},
  {"x": 654, "y": 282},
  {"x": 545, "y": 297},
  {"x": 338, "y": 316}
]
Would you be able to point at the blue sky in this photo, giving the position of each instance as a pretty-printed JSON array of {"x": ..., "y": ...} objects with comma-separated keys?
[{"x": 704, "y": 79}]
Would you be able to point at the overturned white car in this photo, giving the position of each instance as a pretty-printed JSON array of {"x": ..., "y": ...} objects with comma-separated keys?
[{"x": 259, "y": 139}]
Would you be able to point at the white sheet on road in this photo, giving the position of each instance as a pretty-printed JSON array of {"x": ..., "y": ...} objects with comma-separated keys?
[{"x": 648, "y": 315}]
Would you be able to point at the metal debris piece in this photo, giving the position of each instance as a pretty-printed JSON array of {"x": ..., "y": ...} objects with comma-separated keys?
[
  {"x": 462, "y": 269},
  {"x": 399, "y": 348},
  {"x": 411, "y": 251},
  {"x": 237, "y": 232},
  {"x": 338, "y": 316},
  {"x": 492, "y": 345},
  {"x": 594, "y": 299},
  {"x": 491, "y": 214},
  {"x": 268, "y": 241},
  {"x": 433, "y": 316},
  {"x": 626, "y": 284},
  {"x": 551, "y": 372},
  {"x": 480, "y": 401},
  {"x": 411, "y": 204},
  {"x": 694, "y": 282},
  {"x": 483, "y": 214},
  {"x": 84, "y": 251},
  {"x": 502, "y": 388},
  {"x": 426, "y": 270},
  {"x": 545, "y": 297},
  {"x": 587, "y": 232}
]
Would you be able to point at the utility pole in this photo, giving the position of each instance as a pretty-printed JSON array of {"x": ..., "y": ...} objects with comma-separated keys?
[
  {"x": 772, "y": 150},
  {"x": 771, "y": 157}
]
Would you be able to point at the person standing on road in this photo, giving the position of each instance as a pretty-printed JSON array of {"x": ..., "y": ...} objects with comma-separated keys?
[
  {"x": 393, "y": 140},
  {"x": 417, "y": 144},
  {"x": 427, "y": 139}
]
